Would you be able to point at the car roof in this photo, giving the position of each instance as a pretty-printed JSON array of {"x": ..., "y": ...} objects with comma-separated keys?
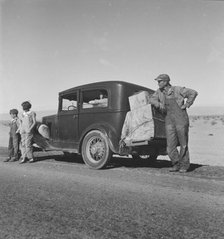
[{"x": 106, "y": 84}]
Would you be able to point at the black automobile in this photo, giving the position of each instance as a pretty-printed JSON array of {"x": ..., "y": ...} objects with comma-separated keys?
[{"x": 90, "y": 120}]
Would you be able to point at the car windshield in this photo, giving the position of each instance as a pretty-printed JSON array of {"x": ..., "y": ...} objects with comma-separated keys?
[{"x": 69, "y": 102}]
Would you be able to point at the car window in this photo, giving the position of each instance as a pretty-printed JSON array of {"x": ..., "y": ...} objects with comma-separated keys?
[
  {"x": 94, "y": 99},
  {"x": 69, "y": 102}
]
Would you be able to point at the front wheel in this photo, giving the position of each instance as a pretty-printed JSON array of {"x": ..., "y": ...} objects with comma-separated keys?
[{"x": 96, "y": 152}]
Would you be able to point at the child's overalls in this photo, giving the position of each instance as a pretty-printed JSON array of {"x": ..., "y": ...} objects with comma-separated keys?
[
  {"x": 26, "y": 135},
  {"x": 14, "y": 139}
]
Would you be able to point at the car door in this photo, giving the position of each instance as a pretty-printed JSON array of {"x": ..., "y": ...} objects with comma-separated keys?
[{"x": 68, "y": 119}]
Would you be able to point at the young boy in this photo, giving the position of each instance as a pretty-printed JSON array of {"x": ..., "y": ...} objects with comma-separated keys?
[{"x": 14, "y": 137}]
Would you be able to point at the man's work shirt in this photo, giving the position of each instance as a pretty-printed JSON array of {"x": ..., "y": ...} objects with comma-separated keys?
[{"x": 180, "y": 94}]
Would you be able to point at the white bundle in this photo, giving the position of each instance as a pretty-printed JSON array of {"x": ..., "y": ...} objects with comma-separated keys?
[{"x": 44, "y": 131}]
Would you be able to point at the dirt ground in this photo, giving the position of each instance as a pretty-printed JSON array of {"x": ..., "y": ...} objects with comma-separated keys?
[
  {"x": 59, "y": 197},
  {"x": 206, "y": 140}
]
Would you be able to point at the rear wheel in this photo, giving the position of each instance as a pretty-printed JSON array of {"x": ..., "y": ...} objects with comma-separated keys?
[{"x": 96, "y": 152}]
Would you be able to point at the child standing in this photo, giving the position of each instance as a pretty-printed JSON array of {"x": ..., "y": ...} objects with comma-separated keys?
[
  {"x": 26, "y": 131},
  {"x": 14, "y": 137}
]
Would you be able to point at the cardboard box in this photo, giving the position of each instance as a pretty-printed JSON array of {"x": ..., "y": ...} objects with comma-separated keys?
[{"x": 138, "y": 100}]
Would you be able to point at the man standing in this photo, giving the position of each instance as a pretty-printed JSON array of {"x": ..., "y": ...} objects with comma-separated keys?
[{"x": 173, "y": 101}]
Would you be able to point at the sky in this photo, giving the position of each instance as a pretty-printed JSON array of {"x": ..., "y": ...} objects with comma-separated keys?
[{"x": 47, "y": 46}]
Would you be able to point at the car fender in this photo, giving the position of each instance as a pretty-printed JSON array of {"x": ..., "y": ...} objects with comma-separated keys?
[{"x": 108, "y": 131}]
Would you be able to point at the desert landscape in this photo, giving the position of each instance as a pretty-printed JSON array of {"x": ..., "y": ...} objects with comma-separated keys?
[{"x": 206, "y": 135}]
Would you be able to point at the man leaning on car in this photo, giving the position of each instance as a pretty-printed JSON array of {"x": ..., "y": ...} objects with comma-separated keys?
[{"x": 171, "y": 101}]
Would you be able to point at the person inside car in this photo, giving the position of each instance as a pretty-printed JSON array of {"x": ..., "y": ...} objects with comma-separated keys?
[{"x": 101, "y": 102}]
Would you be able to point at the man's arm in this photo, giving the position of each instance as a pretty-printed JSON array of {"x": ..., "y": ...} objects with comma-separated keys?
[
  {"x": 189, "y": 94},
  {"x": 155, "y": 101}
]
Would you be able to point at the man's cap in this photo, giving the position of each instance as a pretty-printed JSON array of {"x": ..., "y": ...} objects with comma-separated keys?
[{"x": 162, "y": 77}]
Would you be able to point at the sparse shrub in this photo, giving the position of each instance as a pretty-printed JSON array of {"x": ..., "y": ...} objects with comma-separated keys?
[{"x": 214, "y": 122}]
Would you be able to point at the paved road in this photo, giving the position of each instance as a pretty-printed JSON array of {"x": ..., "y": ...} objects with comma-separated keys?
[{"x": 62, "y": 199}]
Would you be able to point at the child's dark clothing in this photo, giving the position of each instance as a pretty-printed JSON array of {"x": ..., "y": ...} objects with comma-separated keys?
[{"x": 14, "y": 139}]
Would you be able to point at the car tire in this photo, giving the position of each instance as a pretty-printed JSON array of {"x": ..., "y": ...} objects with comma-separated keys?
[{"x": 96, "y": 152}]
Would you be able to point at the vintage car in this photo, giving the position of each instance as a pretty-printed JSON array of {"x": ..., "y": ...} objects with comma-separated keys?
[{"x": 90, "y": 120}]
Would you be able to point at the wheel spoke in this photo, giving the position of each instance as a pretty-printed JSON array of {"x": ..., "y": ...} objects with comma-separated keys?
[{"x": 96, "y": 148}]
